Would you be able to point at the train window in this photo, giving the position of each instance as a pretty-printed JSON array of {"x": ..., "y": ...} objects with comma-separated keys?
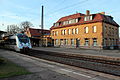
[
  {"x": 13, "y": 42},
  {"x": 10, "y": 42},
  {"x": 23, "y": 38}
]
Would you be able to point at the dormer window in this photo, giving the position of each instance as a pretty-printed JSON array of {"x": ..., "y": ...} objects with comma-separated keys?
[
  {"x": 88, "y": 18},
  {"x": 56, "y": 24},
  {"x": 65, "y": 22},
  {"x": 73, "y": 21}
]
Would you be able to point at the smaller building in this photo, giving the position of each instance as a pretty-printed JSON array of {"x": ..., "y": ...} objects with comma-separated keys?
[
  {"x": 2, "y": 33},
  {"x": 38, "y": 37}
]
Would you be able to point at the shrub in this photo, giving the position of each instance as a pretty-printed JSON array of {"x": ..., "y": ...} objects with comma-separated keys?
[{"x": 1, "y": 61}]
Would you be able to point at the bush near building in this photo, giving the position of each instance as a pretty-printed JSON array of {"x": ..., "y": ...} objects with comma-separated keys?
[{"x": 1, "y": 60}]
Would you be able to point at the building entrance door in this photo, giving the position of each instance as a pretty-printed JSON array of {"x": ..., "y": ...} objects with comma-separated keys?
[
  {"x": 77, "y": 43},
  {"x": 61, "y": 42}
]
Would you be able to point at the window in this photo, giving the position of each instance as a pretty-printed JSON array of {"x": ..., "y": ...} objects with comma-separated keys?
[
  {"x": 53, "y": 33},
  {"x": 72, "y": 41},
  {"x": 65, "y": 22},
  {"x": 69, "y": 31},
  {"x": 76, "y": 31},
  {"x": 61, "y": 42},
  {"x": 94, "y": 42},
  {"x": 63, "y": 32},
  {"x": 86, "y": 29},
  {"x": 73, "y": 31},
  {"x": 91, "y": 17},
  {"x": 86, "y": 42},
  {"x": 94, "y": 29},
  {"x": 76, "y": 20},
  {"x": 13, "y": 41},
  {"x": 105, "y": 27},
  {"x": 56, "y": 41},
  {"x": 73, "y": 21},
  {"x": 66, "y": 41},
  {"x": 70, "y": 21},
  {"x": 56, "y": 33},
  {"x": 87, "y": 18},
  {"x": 56, "y": 24}
]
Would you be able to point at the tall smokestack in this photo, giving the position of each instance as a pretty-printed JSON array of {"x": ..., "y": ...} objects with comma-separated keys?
[
  {"x": 42, "y": 17},
  {"x": 42, "y": 26}
]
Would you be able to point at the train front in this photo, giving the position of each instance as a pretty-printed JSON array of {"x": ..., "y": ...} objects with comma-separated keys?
[{"x": 23, "y": 43}]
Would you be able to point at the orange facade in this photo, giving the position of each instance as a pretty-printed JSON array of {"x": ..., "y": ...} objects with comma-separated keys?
[{"x": 85, "y": 31}]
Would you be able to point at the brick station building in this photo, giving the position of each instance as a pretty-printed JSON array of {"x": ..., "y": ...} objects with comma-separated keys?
[
  {"x": 36, "y": 37},
  {"x": 86, "y": 31}
]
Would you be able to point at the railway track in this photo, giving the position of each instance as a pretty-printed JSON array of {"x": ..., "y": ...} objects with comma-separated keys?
[{"x": 97, "y": 63}]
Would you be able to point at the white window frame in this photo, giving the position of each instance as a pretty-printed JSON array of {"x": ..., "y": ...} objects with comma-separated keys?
[
  {"x": 95, "y": 42},
  {"x": 94, "y": 29},
  {"x": 56, "y": 33},
  {"x": 86, "y": 29},
  {"x": 65, "y": 32},
  {"x": 76, "y": 31},
  {"x": 87, "y": 41},
  {"x": 69, "y": 31}
]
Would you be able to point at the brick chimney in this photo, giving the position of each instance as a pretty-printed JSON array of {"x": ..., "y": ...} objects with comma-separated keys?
[
  {"x": 102, "y": 13},
  {"x": 87, "y": 12}
]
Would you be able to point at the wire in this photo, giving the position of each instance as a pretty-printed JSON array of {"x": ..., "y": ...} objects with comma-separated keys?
[{"x": 73, "y": 5}]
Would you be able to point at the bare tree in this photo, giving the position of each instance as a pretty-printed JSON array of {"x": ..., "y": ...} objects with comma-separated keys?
[
  {"x": 12, "y": 29},
  {"x": 26, "y": 24}
]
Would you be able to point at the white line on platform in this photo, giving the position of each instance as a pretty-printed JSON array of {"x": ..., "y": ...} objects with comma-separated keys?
[
  {"x": 50, "y": 66},
  {"x": 82, "y": 75},
  {"x": 66, "y": 70},
  {"x": 75, "y": 73}
]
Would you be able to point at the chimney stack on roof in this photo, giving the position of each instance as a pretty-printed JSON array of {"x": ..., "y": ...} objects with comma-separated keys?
[
  {"x": 102, "y": 13},
  {"x": 87, "y": 12}
]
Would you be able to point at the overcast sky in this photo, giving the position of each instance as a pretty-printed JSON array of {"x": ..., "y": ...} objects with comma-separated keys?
[{"x": 16, "y": 11}]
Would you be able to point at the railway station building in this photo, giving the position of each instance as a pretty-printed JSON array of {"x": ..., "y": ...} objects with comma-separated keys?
[
  {"x": 95, "y": 31},
  {"x": 36, "y": 37}
]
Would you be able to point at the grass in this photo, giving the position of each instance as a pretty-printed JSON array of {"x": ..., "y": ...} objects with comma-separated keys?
[
  {"x": 9, "y": 69},
  {"x": 1, "y": 60}
]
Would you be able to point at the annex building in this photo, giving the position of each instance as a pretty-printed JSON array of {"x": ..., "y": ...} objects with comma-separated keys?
[
  {"x": 39, "y": 38},
  {"x": 86, "y": 31}
]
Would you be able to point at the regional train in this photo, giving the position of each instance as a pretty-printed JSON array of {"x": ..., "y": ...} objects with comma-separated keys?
[{"x": 18, "y": 42}]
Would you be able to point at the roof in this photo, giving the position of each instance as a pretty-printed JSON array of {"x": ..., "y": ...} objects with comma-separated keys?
[
  {"x": 99, "y": 17},
  {"x": 70, "y": 17},
  {"x": 37, "y": 32},
  {"x": 3, "y": 32}
]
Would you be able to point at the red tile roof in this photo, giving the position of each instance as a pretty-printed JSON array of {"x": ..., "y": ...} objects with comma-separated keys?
[
  {"x": 70, "y": 17},
  {"x": 37, "y": 32},
  {"x": 96, "y": 18}
]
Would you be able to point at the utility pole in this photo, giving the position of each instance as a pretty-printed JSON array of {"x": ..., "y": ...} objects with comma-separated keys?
[{"x": 42, "y": 26}]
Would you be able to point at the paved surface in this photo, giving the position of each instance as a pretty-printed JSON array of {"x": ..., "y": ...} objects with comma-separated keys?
[
  {"x": 46, "y": 70},
  {"x": 111, "y": 53}
]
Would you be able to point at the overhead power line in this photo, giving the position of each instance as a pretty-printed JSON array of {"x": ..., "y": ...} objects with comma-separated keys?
[{"x": 72, "y": 5}]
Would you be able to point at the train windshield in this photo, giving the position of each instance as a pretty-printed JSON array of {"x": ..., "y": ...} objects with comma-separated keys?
[{"x": 23, "y": 38}]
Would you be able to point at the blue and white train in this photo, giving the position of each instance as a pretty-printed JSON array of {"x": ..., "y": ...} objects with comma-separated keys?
[{"x": 18, "y": 42}]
